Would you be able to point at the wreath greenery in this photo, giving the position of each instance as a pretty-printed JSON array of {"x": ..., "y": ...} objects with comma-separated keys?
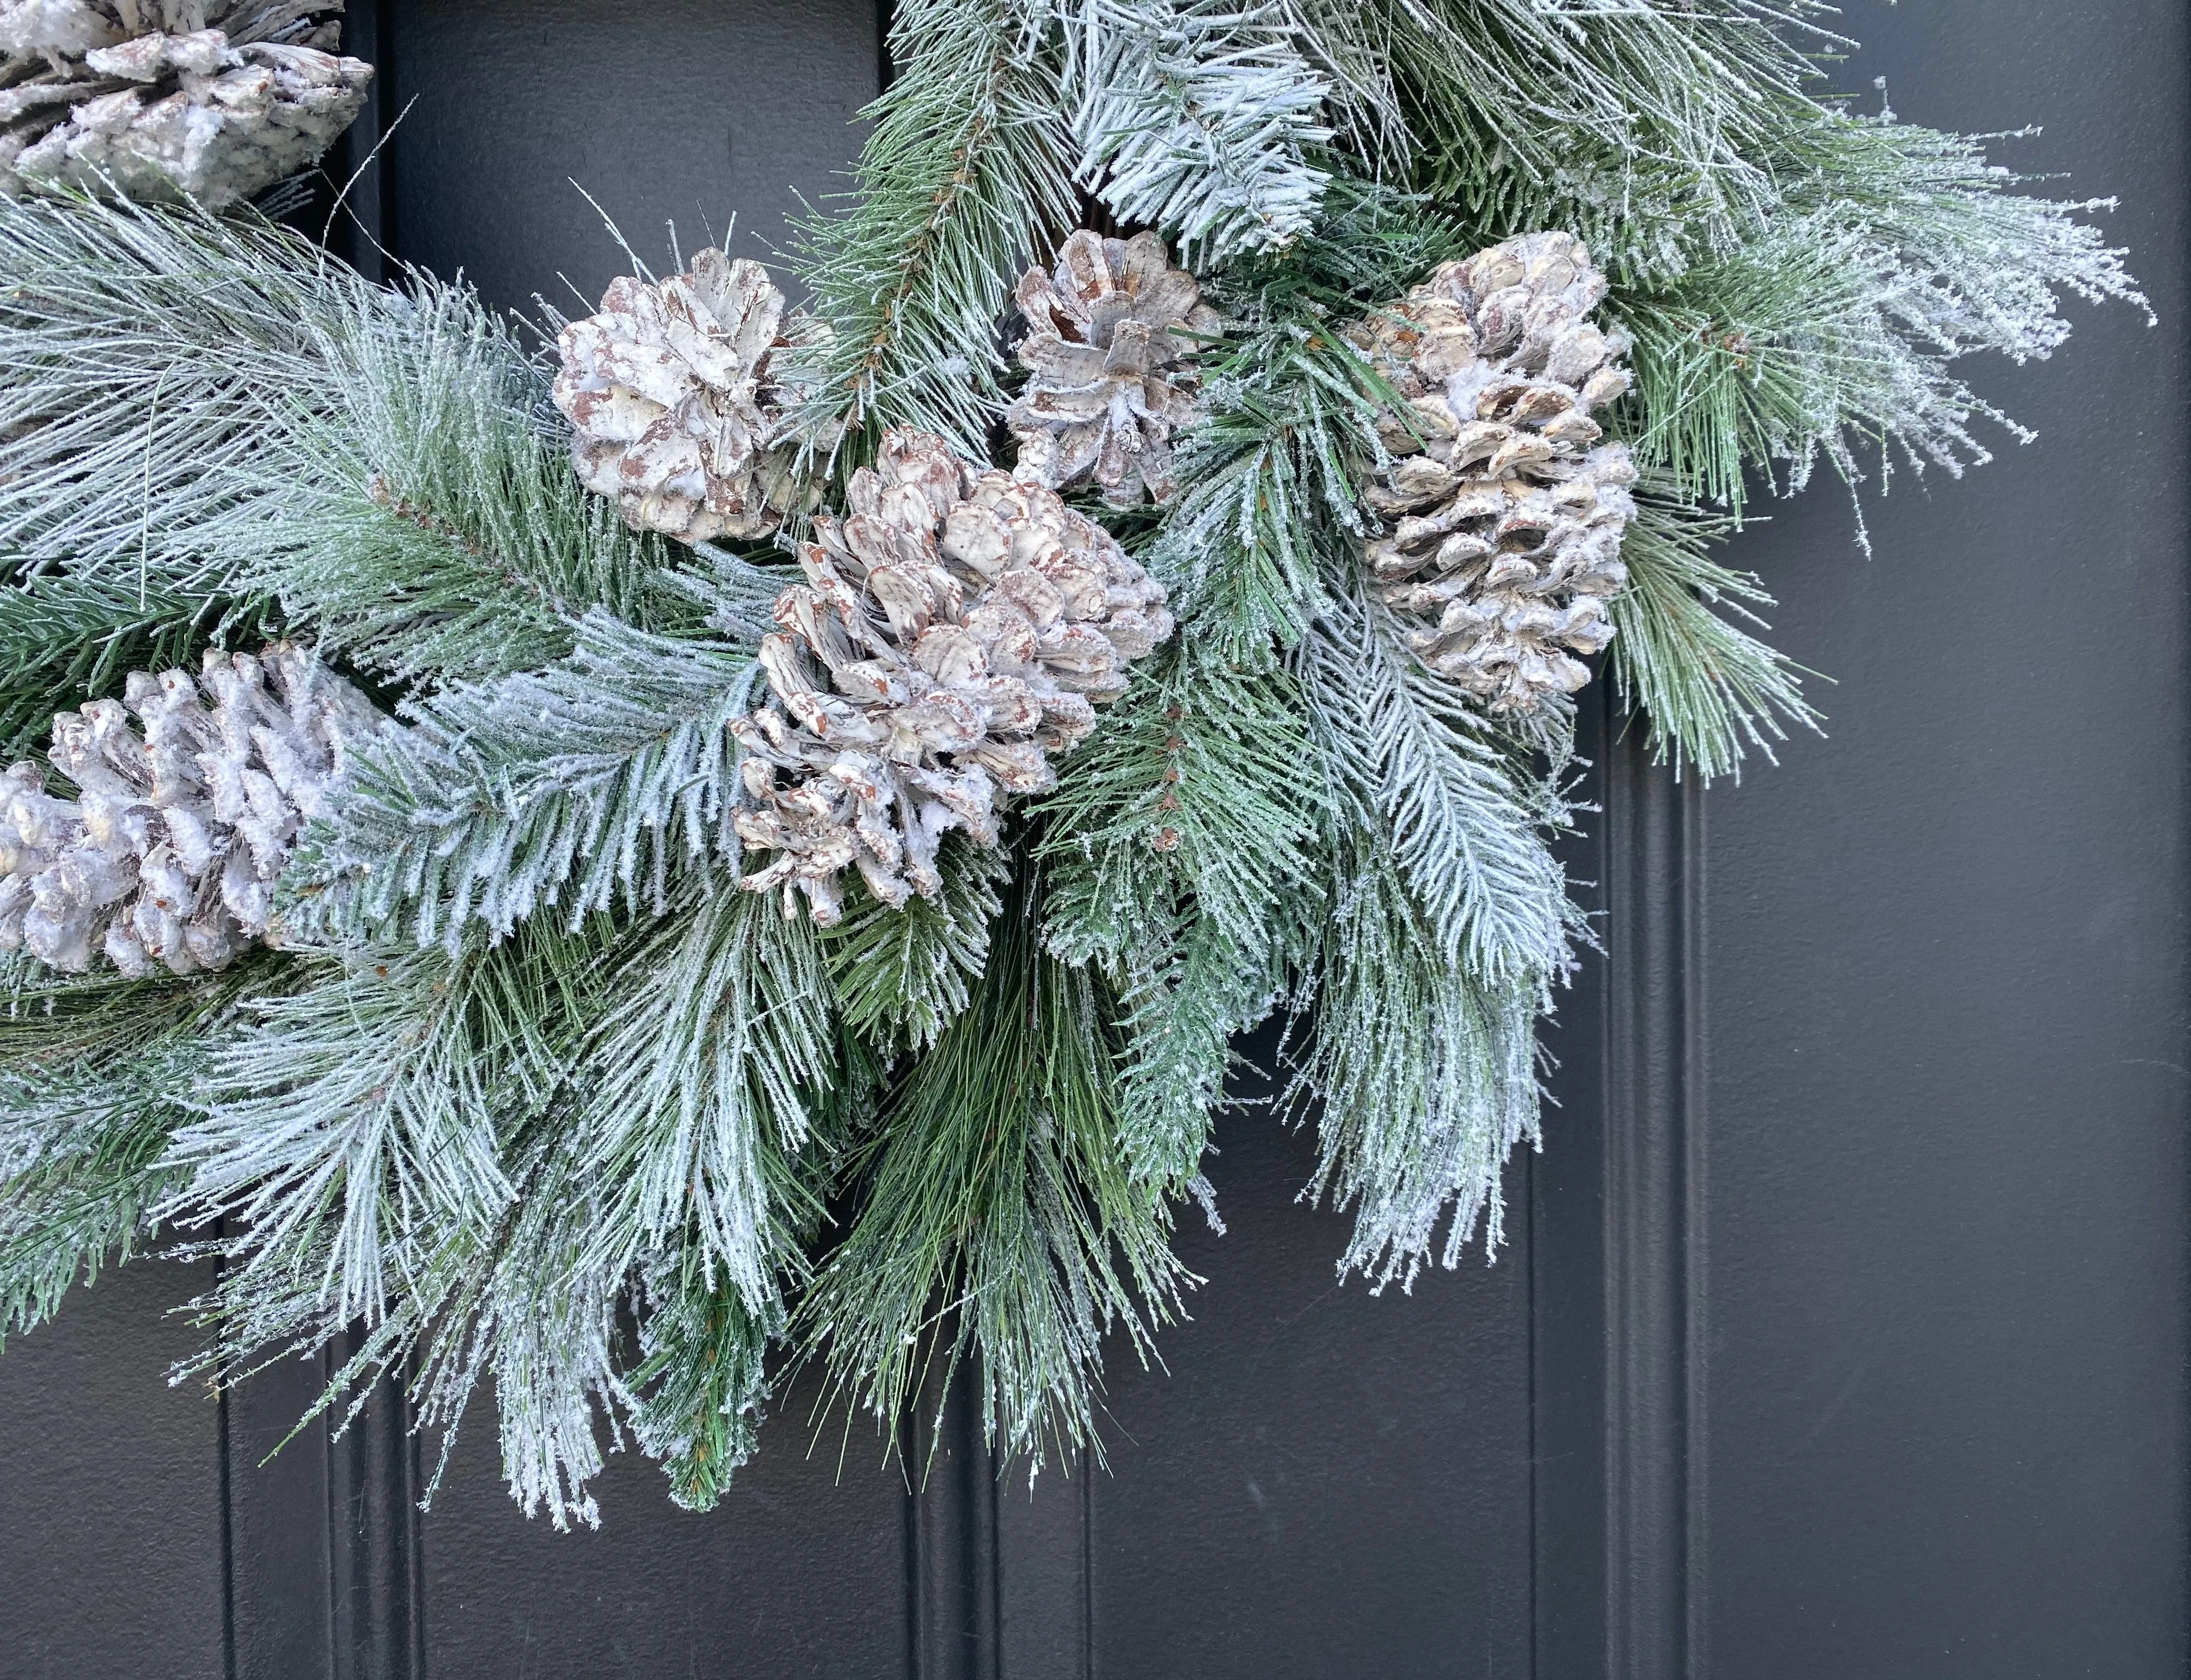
[{"x": 1089, "y": 658}]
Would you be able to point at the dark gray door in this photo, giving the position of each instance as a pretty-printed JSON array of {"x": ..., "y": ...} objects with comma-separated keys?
[{"x": 1843, "y": 1336}]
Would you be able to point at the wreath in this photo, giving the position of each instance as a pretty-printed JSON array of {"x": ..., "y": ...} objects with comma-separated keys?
[{"x": 617, "y": 854}]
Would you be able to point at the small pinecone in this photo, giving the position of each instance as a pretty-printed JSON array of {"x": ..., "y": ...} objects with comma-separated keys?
[
  {"x": 675, "y": 410},
  {"x": 1110, "y": 381},
  {"x": 168, "y": 854},
  {"x": 966, "y": 624},
  {"x": 1504, "y": 521},
  {"x": 163, "y": 99}
]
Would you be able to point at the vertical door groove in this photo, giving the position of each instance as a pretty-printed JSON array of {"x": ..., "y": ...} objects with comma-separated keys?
[{"x": 1654, "y": 1214}]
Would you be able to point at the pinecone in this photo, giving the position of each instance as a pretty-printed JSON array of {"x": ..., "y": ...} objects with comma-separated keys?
[
  {"x": 1110, "y": 380},
  {"x": 1505, "y": 521},
  {"x": 168, "y": 854},
  {"x": 965, "y": 623},
  {"x": 162, "y": 100},
  {"x": 676, "y": 411}
]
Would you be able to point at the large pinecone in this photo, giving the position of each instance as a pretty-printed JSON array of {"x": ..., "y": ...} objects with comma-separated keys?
[
  {"x": 161, "y": 100},
  {"x": 956, "y": 629},
  {"x": 673, "y": 403},
  {"x": 1110, "y": 378},
  {"x": 168, "y": 854},
  {"x": 1502, "y": 512}
]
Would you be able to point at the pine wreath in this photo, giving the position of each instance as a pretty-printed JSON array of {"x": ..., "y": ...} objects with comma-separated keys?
[{"x": 633, "y": 796}]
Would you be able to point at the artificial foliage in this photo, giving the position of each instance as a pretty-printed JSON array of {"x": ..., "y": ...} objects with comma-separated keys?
[{"x": 768, "y": 827}]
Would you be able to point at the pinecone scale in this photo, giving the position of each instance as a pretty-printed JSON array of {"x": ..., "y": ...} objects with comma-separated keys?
[
  {"x": 673, "y": 399},
  {"x": 1113, "y": 331}
]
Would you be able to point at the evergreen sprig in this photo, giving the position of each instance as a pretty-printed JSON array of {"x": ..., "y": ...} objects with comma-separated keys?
[
  {"x": 1197, "y": 117},
  {"x": 966, "y": 173},
  {"x": 996, "y": 1214},
  {"x": 573, "y": 786},
  {"x": 1704, "y": 687}
]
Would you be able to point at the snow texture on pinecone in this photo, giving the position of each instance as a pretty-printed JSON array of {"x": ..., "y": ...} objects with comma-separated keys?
[
  {"x": 167, "y": 855},
  {"x": 672, "y": 402},
  {"x": 1502, "y": 512},
  {"x": 1110, "y": 378},
  {"x": 163, "y": 99},
  {"x": 957, "y": 629}
]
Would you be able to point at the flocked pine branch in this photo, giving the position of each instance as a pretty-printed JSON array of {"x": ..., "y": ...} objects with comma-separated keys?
[
  {"x": 997, "y": 1216},
  {"x": 1270, "y": 502},
  {"x": 1197, "y": 117},
  {"x": 1705, "y": 689},
  {"x": 341, "y": 1125},
  {"x": 80, "y": 1173},
  {"x": 139, "y": 344},
  {"x": 425, "y": 523},
  {"x": 714, "y": 1046},
  {"x": 1469, "y": 815},
  {"x": 569, "y": 787},
  {"x": 387, "y": 1148},
  {"x": 1423, "y": 1075},
  {"x": 1636, "y": 117},
  {"x": 67, "y": 637},
  {"x": 968, "y": 169},
  {"x": 1893, "y": 252},
  {"x": 1179, "y": 858},
  {"x": 92, "y": 1070},
  {"x": 700, "y": 1387},
  {"x": 902, "y": 975}
]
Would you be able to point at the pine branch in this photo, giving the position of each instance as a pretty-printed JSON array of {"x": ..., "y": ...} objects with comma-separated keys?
[
  {"x": 1270, "y": 503},
  {"x": 91, "y": 1072},
  {"x": 966, "y": 175},
  {"x": 569, "y": 787},
  {"x": 426, "y": 522},
  {"x": 902, "y": 975},
  {"x": 1178, "y": 856},
  {"x": 1468, "y": 815},
  {"x": 1631, "y": 113},
  {"x": 79, "y": 1174},
  {"x": 65, "y": 639},
  {"x": 703, "y": 1381},
  {"x": 1185, "y": 997},
  {"x": 1197, "y": 117},
  {"x": 1425, "y": 1074},
  {"x": 1707, "y": 689},
  {"x": 714, "y": 1048},
  {"x": 138, "y": 343},
  {"x": 997, "y": 1215},
  {"x": 348, "y": 1127},
  {"x": 1895, "y": 252}
]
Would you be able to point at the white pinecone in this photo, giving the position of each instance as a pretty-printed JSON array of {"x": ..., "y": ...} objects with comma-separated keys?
[
  {"x": 957, "y": 628},
  {"x": 168, "y": 854},
  {"x": 1503, "y": 512},
  {"x": 674, "y": 403},
  {"x": 1110, "y": 379},
  {"x": 162, "y": 100}
]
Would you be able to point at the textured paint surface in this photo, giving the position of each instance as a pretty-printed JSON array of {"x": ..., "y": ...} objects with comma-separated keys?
[
  {"x": 1945, "y": 1110},
  {"x": 801, "y": 1572},
  {"x": 1321, "y": 1482},
  {"x": 684, "y": 111},
  {"x": 110, "y": 1551}
]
